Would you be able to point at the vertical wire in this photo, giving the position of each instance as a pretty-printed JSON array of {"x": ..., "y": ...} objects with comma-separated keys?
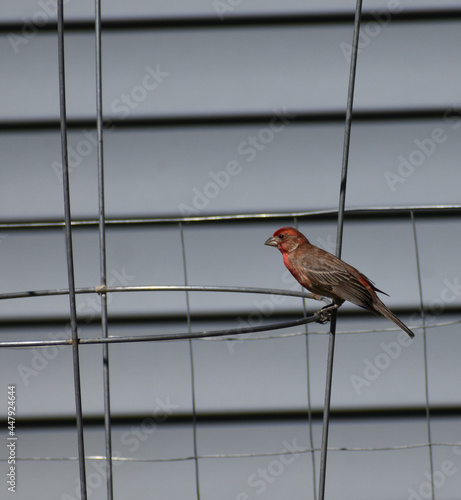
[
  {"x": 102, "y": 253},
  {"x": 426, "y": 380},
  {"x": 69, "y": 251},
  {"x": 339, "y": 240},
  {"x": 309, "y": 405},
  {"x": 192, "y": 371}
]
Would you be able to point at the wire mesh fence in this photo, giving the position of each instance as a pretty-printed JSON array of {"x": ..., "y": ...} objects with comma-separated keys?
[
  {"x": 290, "y": 450},
  {"x": 204, "y": 469}
]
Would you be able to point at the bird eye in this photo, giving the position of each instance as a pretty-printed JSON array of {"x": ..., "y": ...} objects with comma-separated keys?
[{"x": 281, "y": 236}]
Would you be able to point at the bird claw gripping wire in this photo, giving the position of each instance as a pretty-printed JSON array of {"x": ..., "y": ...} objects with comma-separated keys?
[{"x": 324, "y": 314}]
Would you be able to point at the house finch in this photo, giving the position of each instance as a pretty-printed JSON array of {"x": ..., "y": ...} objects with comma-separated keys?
[{"x": 324, "y": 274}]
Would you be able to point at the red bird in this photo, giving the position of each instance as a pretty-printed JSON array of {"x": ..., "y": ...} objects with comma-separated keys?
[{"x": 324, "y": 274}]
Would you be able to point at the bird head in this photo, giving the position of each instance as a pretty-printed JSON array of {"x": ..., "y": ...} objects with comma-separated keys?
[{"x": 286, "y": 239}]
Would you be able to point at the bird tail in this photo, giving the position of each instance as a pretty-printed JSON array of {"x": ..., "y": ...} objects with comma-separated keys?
[{"x": 384, "y": 311}]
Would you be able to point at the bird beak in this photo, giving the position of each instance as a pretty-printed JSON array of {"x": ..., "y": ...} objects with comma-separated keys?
[{"x": 271, "y": 242}]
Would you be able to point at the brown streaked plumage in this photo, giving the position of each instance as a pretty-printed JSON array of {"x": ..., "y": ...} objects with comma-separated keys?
[{"x": 324, "y": 274}]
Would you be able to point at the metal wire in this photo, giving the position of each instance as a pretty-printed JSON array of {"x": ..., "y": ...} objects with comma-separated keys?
[
  {"x": 426, "y": 381},
  {"x": 102, "y": 252},
  {"x": 385, "y": 210},
  {"x": 210, "y": 335},
  {"x": 163, "y": 288},
  {"x": 339, "y": 239},
  {"x": 309, "y": 406},
  {"x": 69, "y": 250},
  {"x": 205, "y": 336},
  {"x": 234, "y": 455},
  {"x": 169, "y": 336},
  {"x": 102, "y": 289},
  {"x": 192, "y": 371}
]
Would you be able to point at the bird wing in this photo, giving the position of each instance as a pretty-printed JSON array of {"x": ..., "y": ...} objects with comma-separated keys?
[{"x": 330, "y": 274}]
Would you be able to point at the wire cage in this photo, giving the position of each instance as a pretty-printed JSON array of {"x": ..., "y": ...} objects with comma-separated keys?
[{"x": 160, "y": 355}]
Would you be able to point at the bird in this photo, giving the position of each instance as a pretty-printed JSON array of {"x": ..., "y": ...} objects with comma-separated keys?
[{"x": 324, "y": 274}]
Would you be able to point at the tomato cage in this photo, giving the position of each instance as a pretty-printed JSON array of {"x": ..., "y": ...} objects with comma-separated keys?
[{"x": 151, "y": 346}]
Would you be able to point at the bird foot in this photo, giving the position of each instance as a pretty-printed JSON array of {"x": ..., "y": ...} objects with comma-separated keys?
[{"x": 324, "y": 314}]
